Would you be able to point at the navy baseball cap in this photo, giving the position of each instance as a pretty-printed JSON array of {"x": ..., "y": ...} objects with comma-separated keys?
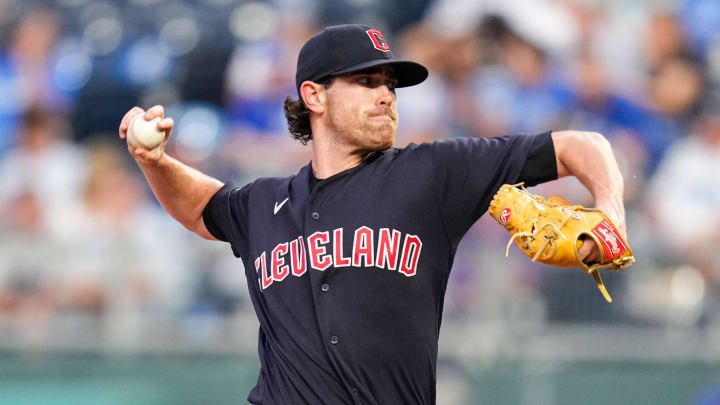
[{"x": 348, "y": 48}]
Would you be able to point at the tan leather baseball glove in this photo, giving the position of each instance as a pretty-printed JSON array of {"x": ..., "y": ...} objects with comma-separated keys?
[{"x": 551, "y": 230}]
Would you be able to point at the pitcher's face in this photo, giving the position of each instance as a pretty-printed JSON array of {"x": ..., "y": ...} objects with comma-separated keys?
[{"x": 362, "y": 108}]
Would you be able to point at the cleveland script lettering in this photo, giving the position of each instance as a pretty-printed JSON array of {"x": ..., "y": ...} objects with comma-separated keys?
[{"x": 388, "y": 251}]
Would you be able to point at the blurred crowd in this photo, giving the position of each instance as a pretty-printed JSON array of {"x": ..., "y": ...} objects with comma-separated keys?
[{"x": 87, "y": 253}]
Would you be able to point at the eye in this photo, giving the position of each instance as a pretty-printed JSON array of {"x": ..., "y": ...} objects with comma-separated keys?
[{"x": 370, "y": 81}]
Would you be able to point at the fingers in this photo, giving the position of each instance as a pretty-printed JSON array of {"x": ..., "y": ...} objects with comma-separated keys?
[
  {"x": 155, "y": 111},
  {"x": 588, "y": 252},
  {"x": 584, "y": 251},
  {"x": 166, "y": 124},
  {"x": 125, "y": 122}
]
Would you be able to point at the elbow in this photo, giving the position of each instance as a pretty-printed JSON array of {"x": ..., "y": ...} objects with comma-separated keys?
[
  {"x": 573, "y": 140},
  {"x": 199, "y": 228},
  {"x": 575, "y": 147},
  {"x": 596, "y": 138}
]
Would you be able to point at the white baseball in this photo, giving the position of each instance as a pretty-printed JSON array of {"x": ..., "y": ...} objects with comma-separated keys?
[{"x": 144, "y": 134}]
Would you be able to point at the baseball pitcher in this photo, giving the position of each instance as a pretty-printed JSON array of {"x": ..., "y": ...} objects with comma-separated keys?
[{"x": 347, "y": 261}]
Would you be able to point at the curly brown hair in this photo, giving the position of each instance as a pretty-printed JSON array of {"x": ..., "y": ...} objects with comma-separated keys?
[{"x": 298, "y": 116}]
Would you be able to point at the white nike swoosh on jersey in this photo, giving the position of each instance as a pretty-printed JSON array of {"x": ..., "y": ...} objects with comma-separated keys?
[{"x": 278, "y": 206}]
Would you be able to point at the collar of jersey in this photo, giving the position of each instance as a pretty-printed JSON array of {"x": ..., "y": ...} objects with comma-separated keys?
[{"x": 368, "y": 159}]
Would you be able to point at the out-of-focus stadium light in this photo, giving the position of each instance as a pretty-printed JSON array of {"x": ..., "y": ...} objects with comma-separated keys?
[
  {"x": 687, "y": 287},
  {"x": 545, "y": 24},
  {"x": 102, "y": 36},
  {"x": 180, "y": 35},
  {"x": 72, "y": 66},
  {"x": 147, "y": 61},
  {"x": 197, "y": 129},
  {"x": 253, "y": 21},
  {"x": 687, "y": 294},
  {"x": 251, "y": 69}
]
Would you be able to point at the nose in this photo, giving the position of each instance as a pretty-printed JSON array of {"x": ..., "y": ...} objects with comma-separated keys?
[{"x": 386, "y": 96}]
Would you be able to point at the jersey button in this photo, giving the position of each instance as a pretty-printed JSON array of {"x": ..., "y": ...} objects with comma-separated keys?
[
  {"x": 334, "y": 340},
  {"x": 315, "y": 215},
  {"x": 354, "y": 392},
  {"x": 324, "y": 287}
]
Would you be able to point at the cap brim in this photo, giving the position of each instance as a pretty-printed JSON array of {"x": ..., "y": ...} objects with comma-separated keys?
[{"x": 408, "y": 73}]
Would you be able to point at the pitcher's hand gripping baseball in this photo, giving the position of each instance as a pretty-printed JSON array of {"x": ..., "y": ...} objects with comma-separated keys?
[
  {"x": 550, "y": 231},
  {"x": 147, "y": 133}
]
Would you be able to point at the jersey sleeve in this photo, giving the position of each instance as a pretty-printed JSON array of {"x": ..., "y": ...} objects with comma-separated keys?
[
  {"x": 226, "y": 217},
  {"x": 469, "y": 171},
  {"x": 541, "y": 164}
]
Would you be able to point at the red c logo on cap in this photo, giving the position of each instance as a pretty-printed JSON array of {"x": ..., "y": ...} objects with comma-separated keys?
[{"x": 377, "y": 39}]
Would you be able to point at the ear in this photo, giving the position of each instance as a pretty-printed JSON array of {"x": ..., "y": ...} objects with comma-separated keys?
[{"x": 313, "y": 96}]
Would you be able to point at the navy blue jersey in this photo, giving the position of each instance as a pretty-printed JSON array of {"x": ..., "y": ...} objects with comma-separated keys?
[{"x": 347, "y": 274}]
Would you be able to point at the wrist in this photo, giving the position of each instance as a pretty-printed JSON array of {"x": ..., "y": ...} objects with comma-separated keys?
[{"x": 614, "y": 208}]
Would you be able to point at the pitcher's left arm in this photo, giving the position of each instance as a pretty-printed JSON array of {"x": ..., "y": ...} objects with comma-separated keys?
[{"x": 589, "y": 157}]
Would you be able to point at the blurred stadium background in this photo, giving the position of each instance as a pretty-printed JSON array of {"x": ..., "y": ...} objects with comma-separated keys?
[{"x": 105, "y": 300}]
